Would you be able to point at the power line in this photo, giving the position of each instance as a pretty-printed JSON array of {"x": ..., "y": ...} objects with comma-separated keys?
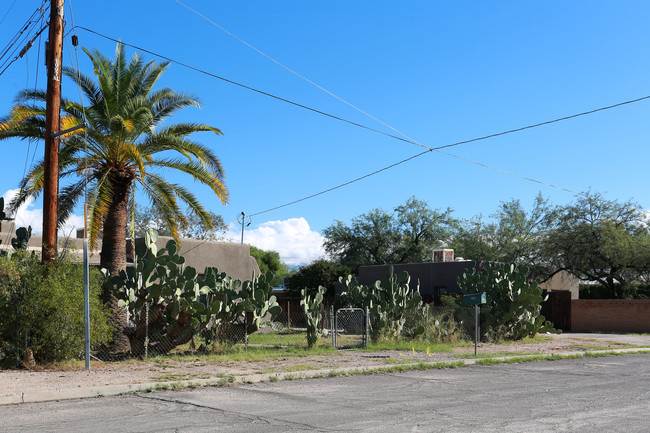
[
  {"x": 24, "y": 36},
  {"x": 409, "y": 139},
  {"x": 342, "y": 184},
  {"x": 29, "y": 23},
  {"x": 202, "y": 71},
  {"x": 210, "y": 74},
  {"x": 435, "y": 149},
  {"x": 17, "y": 36},
  {"x": 8, "y": 10},
  {"x": 428, "y": 148},
  {"x": 399, "y": 132},
  {"x": 548, "y": 122}
]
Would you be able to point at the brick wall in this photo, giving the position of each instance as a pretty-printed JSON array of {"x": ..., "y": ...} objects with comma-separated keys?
[{"x": 610, "y": 315}]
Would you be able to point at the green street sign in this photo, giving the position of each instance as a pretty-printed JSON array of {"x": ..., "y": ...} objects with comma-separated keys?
[{"x": 474, "y": 299}]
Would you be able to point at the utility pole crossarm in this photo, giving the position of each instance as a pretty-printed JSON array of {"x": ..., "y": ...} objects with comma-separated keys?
[{"x": 65, "y": 131}]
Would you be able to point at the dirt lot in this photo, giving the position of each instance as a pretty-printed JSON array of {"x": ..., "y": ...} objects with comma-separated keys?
[{"x": 171, "y": 370}]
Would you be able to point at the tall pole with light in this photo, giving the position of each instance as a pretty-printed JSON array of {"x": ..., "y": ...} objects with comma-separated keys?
[{"x": 242, "y": 221}]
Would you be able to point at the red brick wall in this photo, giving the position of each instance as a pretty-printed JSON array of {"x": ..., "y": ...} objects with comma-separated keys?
[{"x": 610, "y": 315}]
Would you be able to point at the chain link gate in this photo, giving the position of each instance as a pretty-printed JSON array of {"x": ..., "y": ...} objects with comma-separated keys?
[{"x": 349, "y": 328}]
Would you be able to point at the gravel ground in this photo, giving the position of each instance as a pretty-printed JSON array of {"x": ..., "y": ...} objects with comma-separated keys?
[{"x": 170, "y": 370}]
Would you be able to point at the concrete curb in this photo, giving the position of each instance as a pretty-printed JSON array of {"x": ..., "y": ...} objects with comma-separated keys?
[{"x": 35, "y": 396}]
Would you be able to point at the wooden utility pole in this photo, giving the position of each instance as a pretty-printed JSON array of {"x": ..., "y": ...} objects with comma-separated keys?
[{"x": 52, "y": 125}]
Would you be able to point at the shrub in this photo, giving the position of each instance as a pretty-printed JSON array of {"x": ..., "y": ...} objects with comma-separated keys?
[
  {"x": 42, "y": 309},
  {"x": 598, "y": 291},
  {"x": 439, "y": 324}
]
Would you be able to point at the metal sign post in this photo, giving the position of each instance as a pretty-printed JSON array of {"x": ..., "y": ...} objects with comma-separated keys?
[
  {"x": 476, "y": 314},
  {"x": 475, "y": 299}
]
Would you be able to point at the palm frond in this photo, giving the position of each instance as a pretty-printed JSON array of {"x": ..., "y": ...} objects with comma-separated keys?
[
  {"x": 198, "y": 172},
  {"x": 125, "y": 141},
  {"x": 68, "y": 197}
]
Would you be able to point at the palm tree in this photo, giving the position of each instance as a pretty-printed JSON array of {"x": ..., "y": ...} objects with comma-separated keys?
[{"x": 126, "y": 143}]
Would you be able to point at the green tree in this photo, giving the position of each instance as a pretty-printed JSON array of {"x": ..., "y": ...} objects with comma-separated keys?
[
  {"x": 370, "y": 239},
  {"x": 408, "y": 234},
  {"x": 318, "y": 273},
  {"x": 601, "y": 241},
  {"x": 513, "y": 235},
  {"x": 129, "y": 143},
  {"x": 269, "y": 261},
  {"x": 474, "y": 239},
  {"x": 420, "y": 229}
]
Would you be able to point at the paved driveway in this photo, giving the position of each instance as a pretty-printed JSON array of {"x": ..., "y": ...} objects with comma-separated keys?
[
  {"x": 637, "y": 339},
  {"x": 589, "y": 394}
]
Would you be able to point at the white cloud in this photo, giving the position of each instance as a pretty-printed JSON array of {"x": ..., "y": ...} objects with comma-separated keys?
[
  {"x": 27, "y": 215},
  {"x": 292, "y": 238}
]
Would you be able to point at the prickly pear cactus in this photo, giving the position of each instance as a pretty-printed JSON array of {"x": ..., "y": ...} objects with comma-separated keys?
[
  {"x": 21, "y": 240},
  {"x": 389, "y": 301},
  {"x": 312, "y": 306},
  {"x": 160, "y": 280},
  {"x": 513, "y": 309},
  {"x": 239, "y": 308},
  {"x": 182, "y": 304},
  {"x": 3, "y": 215}
]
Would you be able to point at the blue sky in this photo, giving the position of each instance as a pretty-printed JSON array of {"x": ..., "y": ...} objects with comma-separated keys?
[{"x": 439, "y": 72}]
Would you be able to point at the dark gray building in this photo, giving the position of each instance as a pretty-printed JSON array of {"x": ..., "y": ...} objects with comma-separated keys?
[{"x": 440, "y": 276}]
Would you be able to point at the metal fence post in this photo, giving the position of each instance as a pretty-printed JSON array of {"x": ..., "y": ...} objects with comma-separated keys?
[
  {"x": 288, "y": 315},
  {"x": 332, "y": 327},
  {"x": 146, "y": 329},
  {"x": 367, "y": 333},
  {"x": 245, "y": 332},
  {"x": 18, "y": 323}
]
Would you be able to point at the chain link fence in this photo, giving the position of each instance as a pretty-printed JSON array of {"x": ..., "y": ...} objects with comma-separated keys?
[
  {"x": 289, "y": 329},
  {"x": 350, "y": 328},
  {"x": 345, "y": 328}
]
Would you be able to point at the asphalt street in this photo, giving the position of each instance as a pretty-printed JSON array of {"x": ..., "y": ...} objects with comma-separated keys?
[{"x": 609, "y": 393}]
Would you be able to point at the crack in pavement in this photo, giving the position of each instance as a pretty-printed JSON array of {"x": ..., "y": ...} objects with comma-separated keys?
[{"x": 266, "y": 420}]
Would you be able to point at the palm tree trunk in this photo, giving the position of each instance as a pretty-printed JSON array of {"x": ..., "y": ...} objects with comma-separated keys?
[{"x": 113, "y": 258}]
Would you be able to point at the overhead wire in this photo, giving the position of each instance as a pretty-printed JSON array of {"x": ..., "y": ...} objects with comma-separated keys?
[
  {"x": 22, "y": 29},
  {"x": 437, "y": 149},
  {"x": 23, "y": 36},
  {"x": 428, "y": 148},
  {"x": 23, "y": 39},
  {"x": 83, "y": 114},
  {"x": 210, "y": 74},
  {"x": 359, "y": 125},
  {"x": 7, "y": 13},
  {"x": 29, "y": 142},
  {"x": 298, "y": 74}
]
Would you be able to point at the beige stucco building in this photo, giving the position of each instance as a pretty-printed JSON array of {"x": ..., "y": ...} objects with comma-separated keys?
[{"x": 232, "y": 258}]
